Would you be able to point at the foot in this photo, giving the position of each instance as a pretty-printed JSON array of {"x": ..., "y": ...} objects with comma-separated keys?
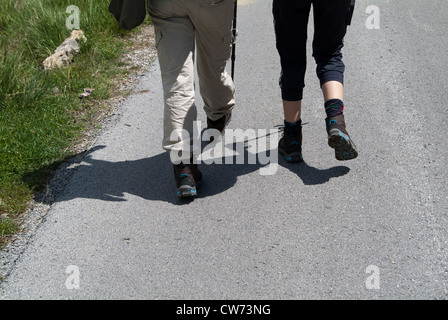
[
  {"x": 187, "y": 179},
  {"x": 290, "y": 145},
  {"x": 219, "y": 124},
  {"x": 339, "y": 140}
]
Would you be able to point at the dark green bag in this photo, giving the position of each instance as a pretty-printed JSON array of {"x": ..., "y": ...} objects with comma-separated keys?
[{"x": 128, "y": 13}]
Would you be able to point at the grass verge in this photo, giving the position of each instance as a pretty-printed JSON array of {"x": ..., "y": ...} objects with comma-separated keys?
[{"x": 41, "y": 115}]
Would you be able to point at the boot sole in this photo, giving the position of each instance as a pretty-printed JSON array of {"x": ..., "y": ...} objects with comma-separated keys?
[
  {"x": 291, "y": 157},
  {"x": 186, "y": 192},
  {"x": 343, "y": 147}
]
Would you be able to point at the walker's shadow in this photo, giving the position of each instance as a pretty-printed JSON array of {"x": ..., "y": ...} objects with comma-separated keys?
[
  {"x": 152, "y": 178},
  {"x": 311, "y": 175}
]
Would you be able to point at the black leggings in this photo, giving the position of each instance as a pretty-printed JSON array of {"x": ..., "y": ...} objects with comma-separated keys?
[{"x": 291, "y": 26}]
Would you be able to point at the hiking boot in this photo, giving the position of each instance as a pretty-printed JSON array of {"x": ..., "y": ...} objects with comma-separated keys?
[
  {"x": 188, "y": 178},
  {"x": 290, "y": 145},
  {"x": 219, "y": 124},
  {"x": 339, "y": 140}
]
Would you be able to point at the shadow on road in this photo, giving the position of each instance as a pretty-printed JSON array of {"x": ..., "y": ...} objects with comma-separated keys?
[
  {"x": 152, "y": 178},
  {"x": 311, "y": 175}
]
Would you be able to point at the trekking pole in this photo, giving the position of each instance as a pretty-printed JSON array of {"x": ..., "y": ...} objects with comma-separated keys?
[{"x": 235, "y": 33}]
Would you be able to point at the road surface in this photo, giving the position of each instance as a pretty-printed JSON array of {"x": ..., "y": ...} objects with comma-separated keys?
[{"x": 371, "y": 228}]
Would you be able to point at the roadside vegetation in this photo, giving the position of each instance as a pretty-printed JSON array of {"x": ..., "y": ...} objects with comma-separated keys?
[{"x": 41, "y": 114}]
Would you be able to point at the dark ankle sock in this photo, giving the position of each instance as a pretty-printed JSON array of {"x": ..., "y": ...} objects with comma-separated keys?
[
  {"x": 293, "y": 127},
  {"x": 334, "y": 107}
]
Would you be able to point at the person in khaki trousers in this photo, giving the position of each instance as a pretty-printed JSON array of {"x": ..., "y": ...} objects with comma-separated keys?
[{"x": 184, "y": 28}]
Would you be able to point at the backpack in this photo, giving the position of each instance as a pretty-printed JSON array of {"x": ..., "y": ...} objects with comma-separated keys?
[{"x": 128, "y": 13}]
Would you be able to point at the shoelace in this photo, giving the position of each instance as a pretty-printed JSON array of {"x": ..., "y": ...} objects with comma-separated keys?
[{"x": 281, "y": 127}]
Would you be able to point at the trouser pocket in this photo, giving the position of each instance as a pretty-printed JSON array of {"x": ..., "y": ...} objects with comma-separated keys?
[
  {"x": 160, "y": 8},
  {"x": 216, "y": 13}
]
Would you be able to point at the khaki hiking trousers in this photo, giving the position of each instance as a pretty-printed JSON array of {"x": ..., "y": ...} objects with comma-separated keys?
[{"x": 181, "y": 28}]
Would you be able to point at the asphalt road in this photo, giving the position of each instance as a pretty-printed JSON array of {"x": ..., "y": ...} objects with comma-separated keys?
[{"x": 371, "y": 228}]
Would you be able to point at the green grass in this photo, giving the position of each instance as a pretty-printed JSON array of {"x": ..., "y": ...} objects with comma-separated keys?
[{"x": 41, "y": 116}]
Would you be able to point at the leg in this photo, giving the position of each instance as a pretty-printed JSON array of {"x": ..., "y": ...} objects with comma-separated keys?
[
  {"x": 330, "y": 26},
  {"x": 213, "y": 30},
  {"x": 292, "y": 110},
  {"x": 175, "y": 47},
  {"x": 333, "y": 90},
  {"x": 330, "y": 18},
  {"x": 290, "y": 145},
  {"x": 291, "y": 26}
]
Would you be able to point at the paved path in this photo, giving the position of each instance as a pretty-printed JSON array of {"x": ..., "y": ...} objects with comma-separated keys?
[{"x": 371, "y": 228}]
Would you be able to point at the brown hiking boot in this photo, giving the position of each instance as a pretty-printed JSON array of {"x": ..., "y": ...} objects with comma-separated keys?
[
  {"x": 187, "y": 178},
  {"x": 219, "y": 124},
  {"x": 290, "y": 145},
  {"x": 339, "y": 140}
]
